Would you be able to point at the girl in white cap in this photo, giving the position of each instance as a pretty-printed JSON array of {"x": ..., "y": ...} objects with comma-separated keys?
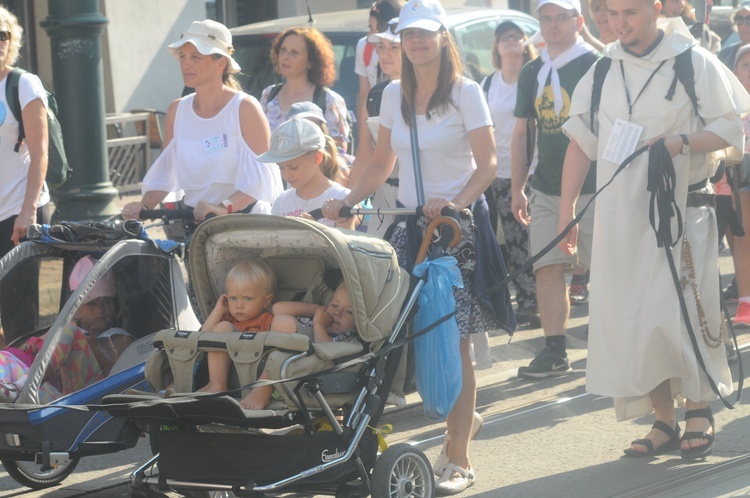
[
  {"x": 309, "y": 164},
  {"x": 458, "y": 163},
  {"x": 212, "y": 137}
]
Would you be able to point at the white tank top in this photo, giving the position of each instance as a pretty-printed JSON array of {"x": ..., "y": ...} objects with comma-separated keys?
[{"x": 209, "y": 159}]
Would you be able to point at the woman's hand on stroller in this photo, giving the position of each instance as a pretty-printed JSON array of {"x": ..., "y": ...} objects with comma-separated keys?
[
  {"x": 132, "y": 210},
  {"x": 205, "y": 210},
  {"x": 433, "y": 208},
  {"x": 337, "y": 210}
]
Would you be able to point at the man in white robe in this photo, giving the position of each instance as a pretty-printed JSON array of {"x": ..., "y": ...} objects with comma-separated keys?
[{"x": 640, "y": 352}]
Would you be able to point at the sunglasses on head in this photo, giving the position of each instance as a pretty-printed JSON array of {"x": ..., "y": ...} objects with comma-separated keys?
[
  {"x": 4, "y": 35},
  {"x": 740, "y": 20}
]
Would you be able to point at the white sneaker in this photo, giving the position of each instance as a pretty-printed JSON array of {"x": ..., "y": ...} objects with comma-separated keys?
[
  {"x": 442, "y": 460},
  {"x": 396, "y": 400},
  {"x": 450, "y": 484}
]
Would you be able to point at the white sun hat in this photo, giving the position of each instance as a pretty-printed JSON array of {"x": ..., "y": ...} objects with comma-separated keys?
[{"x": 209, "y": 37}]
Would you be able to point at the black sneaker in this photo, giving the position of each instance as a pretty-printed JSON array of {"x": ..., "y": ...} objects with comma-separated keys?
[{"x": 546, "y": 364}]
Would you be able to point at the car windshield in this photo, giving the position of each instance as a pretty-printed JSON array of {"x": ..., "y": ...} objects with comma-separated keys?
[{"x": 252, "y": 53}]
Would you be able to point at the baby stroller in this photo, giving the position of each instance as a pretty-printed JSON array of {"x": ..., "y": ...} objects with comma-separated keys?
[
  {"x": 320, "y": 436},
  {"x": 41, "y": 443}
]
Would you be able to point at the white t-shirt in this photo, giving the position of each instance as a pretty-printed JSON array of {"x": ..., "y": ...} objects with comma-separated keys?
[
  {"x": 445, "y": 153},
  {"x": 290, "y": 204},
  {"x": 501, "y": 99},
  {"x": 370, "y": 70},
  {"x": 14, "y": 166}
]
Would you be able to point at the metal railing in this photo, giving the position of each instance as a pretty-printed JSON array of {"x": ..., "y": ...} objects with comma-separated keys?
[{"x": 129, "y": 156}]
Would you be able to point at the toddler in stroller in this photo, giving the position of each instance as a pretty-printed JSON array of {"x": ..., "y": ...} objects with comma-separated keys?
[
  {"x": 243, "y": 307},
  {"x": 88, "y": 349}
]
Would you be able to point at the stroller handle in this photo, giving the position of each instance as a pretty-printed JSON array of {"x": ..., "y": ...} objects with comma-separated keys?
[
  {"x": 348, "y": 211},
  {"x": 167, "y": 215}
]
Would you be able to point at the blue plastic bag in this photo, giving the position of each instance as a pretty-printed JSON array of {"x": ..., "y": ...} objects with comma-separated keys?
[{"x": 437, "y": 358}]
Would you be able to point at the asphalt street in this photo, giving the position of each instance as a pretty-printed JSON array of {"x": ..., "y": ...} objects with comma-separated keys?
[{"x": 543, "y": 438}]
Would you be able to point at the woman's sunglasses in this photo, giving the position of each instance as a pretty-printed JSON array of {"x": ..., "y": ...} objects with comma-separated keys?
[{"x": 4, "y": 36}]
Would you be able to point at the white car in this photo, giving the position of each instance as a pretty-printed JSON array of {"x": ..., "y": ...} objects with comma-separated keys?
[{"x": 473, "y": 29}]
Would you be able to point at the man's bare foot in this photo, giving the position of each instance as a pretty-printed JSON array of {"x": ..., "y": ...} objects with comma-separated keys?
[{"x": 258, "y": 398}]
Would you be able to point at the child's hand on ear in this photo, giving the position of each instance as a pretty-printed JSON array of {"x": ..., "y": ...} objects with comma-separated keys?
[{"x": 322, "y": 317}]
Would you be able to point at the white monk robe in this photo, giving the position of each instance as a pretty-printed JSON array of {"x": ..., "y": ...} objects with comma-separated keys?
[{"x": 638, "y": 337}]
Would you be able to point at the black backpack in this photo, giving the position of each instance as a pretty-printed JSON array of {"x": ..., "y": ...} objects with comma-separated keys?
[
  {"x": 58, "y": 169},
  {"x": 319, "y": 99},
  {"x": 683, "y": 71}
]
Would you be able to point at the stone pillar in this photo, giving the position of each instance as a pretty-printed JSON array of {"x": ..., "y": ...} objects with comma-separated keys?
[{"x": 75, "y": 28}]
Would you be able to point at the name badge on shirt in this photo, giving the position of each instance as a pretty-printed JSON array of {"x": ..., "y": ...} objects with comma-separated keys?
[
  {"x": 215, "y": 144},
  {"x": 622, "y": 141}
]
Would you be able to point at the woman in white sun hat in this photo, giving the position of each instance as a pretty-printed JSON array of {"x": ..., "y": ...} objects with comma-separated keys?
[
  {"x": 212, "y": 137},
  {"x": 458, "y": 163}
]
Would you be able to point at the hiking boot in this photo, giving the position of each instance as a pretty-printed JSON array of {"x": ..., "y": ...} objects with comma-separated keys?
[
  {"x": 579, "y": 294},
  {"x": 546, "y": 364},
  {"x": 742, "y": 315}
]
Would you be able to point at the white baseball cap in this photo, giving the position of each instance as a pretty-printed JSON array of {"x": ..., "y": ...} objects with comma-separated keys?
[
  {"x": 292, "y": 139},
  {"x": 423, "y": 14},
  {"x": 209, "y": 37},
  {"x": 389, "y": 34},
  {"x": 565, "y": 4}
]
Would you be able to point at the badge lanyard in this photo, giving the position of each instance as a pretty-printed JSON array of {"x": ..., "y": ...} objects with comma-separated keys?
[{"x": 627, "y": 93}]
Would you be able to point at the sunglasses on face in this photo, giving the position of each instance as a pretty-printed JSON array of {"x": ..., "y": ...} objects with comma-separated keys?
[
  {"x": 4, "y": 36},
  {"x": 516, "y": 37},
  {"x": 740, "y": 20}
]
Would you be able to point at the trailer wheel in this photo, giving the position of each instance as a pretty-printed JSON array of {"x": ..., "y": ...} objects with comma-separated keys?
[
  {"x": 30, "y": 474},
  {"x": 402, "y": 471}
]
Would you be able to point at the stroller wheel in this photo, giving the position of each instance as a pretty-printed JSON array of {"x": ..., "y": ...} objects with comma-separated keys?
[
  {"x": 402, "y": 471},
  {"x": 30, "y": 475}
]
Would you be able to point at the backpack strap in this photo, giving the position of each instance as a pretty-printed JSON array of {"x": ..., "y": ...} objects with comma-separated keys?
[
  {"x": 535, "y": 67},
  {"x": 486, "y": 86},
  {"x": 275, "y": 91},
  {"x": 11, "y": 96},
  {"x": 319, "y": 97},
  {"x": 601, "y": 69},
  {"x": 684, "y": 72}
]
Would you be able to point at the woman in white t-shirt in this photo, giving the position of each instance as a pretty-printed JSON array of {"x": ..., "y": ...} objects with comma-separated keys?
[
  {"x": 309, "y": 164},
  {"x": 509, "y": 54},
  {"x": 458, "y": 161},
  {"x": 23, "y": 194},
  {"x": 212, "y": 137},
  {"x": 366, "y": 56}
]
